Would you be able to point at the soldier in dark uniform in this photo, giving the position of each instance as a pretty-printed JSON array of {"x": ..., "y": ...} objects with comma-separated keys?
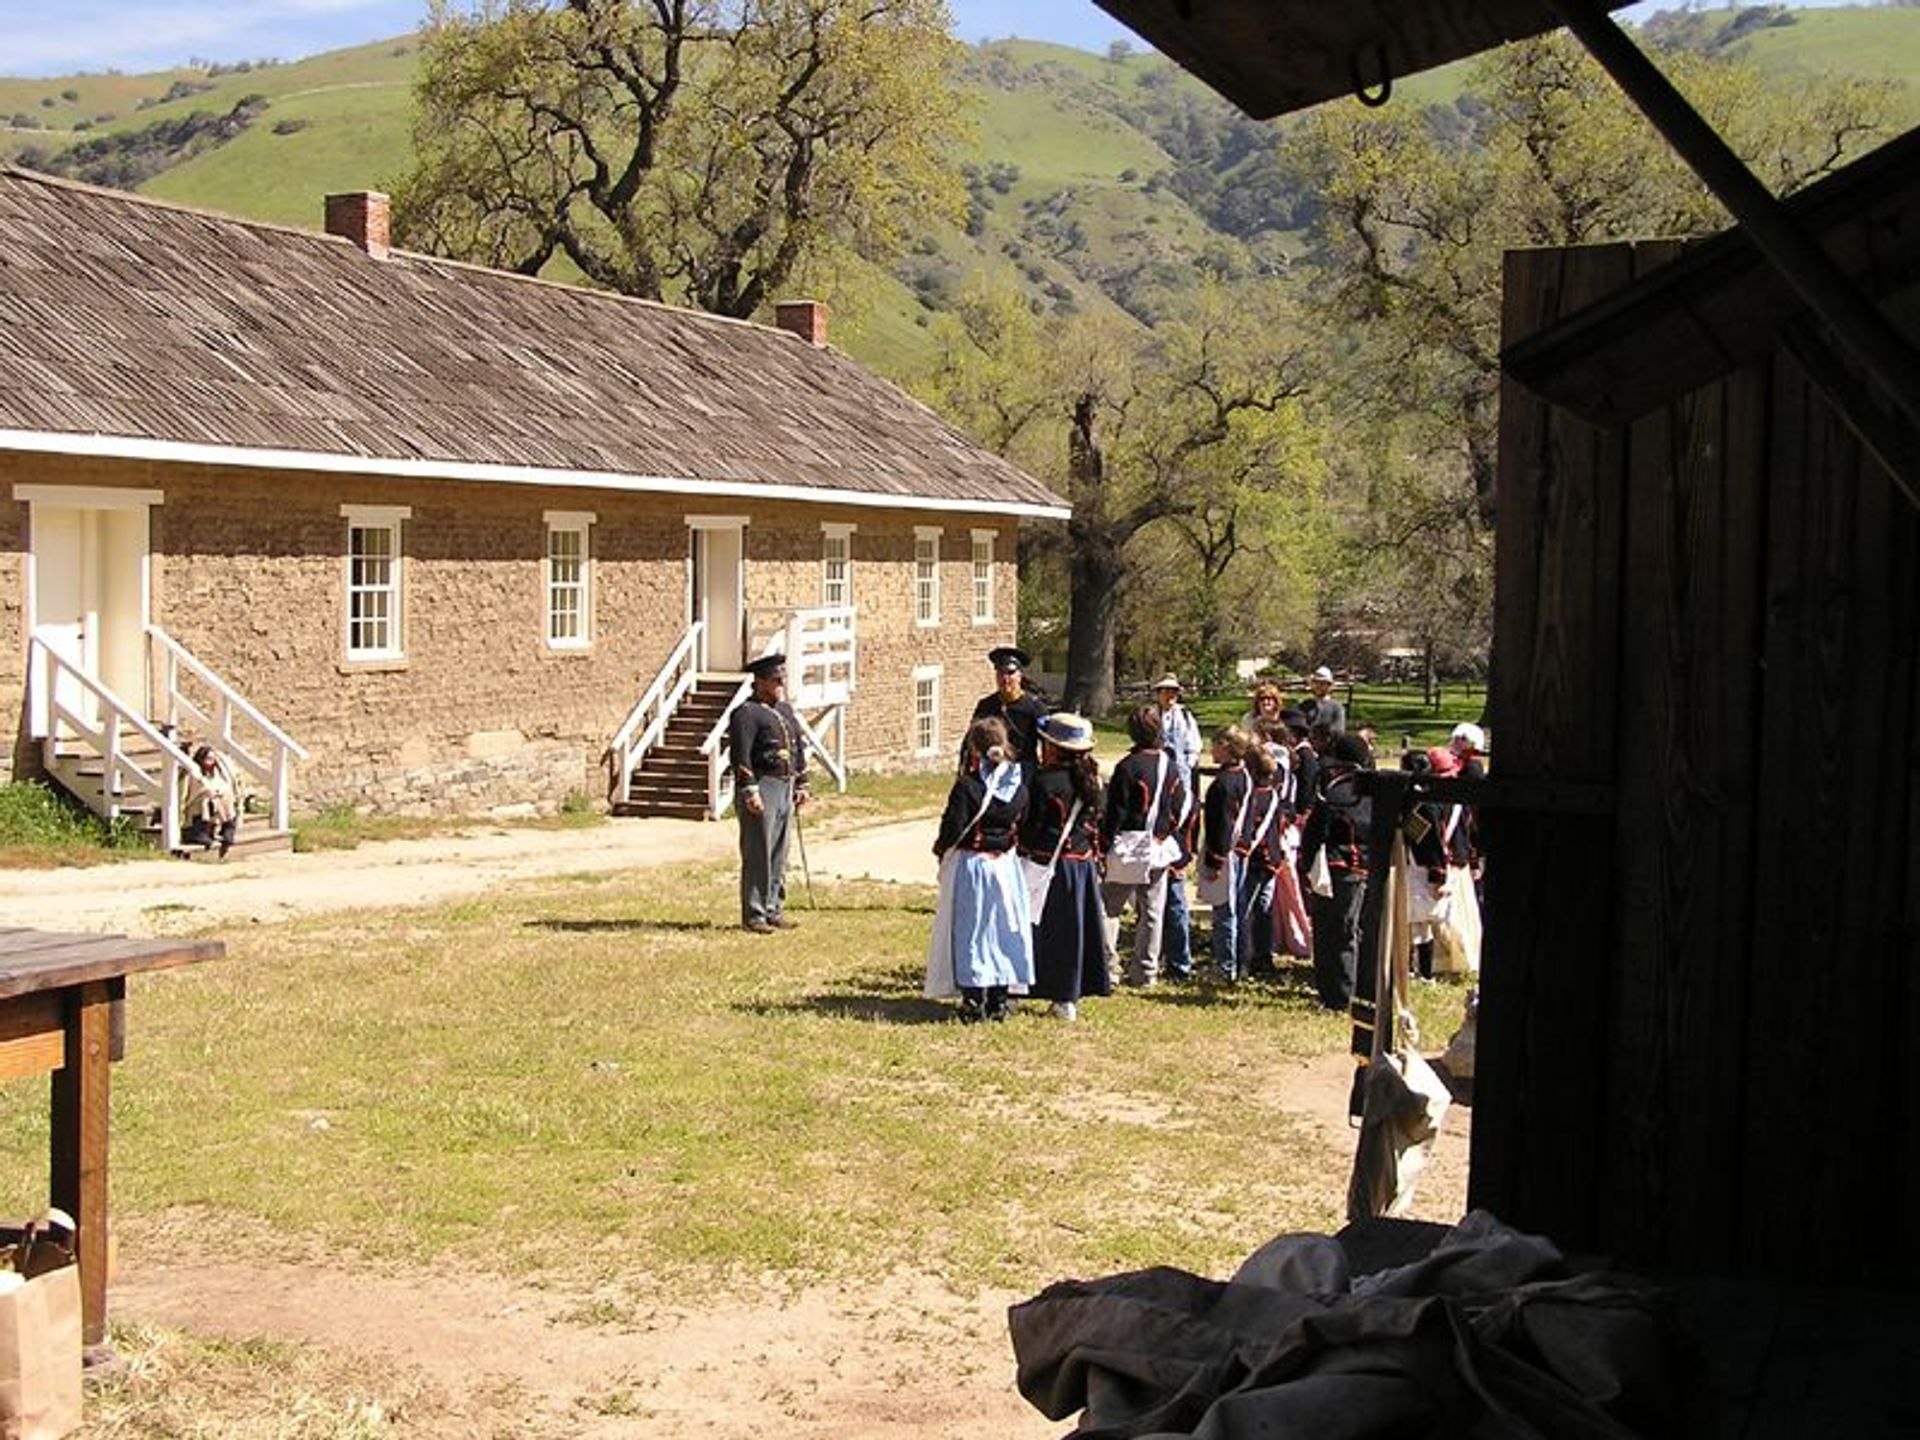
[
  {"x": 770, "y": 783},
  {"x": 1014, "y": 703}
]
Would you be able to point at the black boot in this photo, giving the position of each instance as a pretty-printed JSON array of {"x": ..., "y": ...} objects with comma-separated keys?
[
  {"x": 998, "y": 1006},
  {"x": 972, "y": 1008}
]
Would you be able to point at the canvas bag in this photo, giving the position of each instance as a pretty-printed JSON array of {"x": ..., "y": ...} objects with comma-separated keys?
[
  {"x": 40, "y": 1335},
  {"x": 1134, "y": 855},
  {"x": 1405, "y": 1102},
  {"x": 1217, "y": 888},
  {"x": 1039, "y": 877}
]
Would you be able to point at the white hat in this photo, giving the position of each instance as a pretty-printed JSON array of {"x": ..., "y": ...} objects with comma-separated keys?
[
  {"x": 1323, "y": 673},
  {"x": 1168, "y": 681},
  {"x": 1474, "y": 736}
]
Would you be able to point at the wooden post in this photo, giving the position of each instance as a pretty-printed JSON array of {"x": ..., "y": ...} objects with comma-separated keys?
[{"x": 77, "y": 1145}]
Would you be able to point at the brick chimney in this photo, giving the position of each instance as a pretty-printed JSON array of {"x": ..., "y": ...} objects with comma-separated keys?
[
  {"x": 805, "y": 318},
  {"x": 360, "y": 216}
]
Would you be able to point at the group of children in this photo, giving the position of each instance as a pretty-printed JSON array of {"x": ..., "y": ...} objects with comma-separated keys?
[{"x": 1040, "y": 860}]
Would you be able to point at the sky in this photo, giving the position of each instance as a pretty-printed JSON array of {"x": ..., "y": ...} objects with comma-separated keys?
[{"x": 38, "y": 38}]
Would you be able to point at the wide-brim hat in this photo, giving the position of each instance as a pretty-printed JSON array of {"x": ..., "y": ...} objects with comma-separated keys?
[
  {"x": 1009, "y": 657},
  {"x": 1168, "y": 681},
  {"x": 1323, "y": 673},
  {"x": 1442, "y": 761},
  {"x": 768, "y": 667},
  {"x": 1474, "y": 736},
  {"x": 1067, "y": 730}
]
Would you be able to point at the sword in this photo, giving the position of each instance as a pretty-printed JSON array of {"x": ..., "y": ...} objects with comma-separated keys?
[{"x": 806, "y": 870}]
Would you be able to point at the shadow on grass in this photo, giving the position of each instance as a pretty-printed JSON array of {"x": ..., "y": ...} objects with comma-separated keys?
[
  {"x": 592, "y": 927},
  {"x": 883, "y": 1009},
  {"x": 888, "y": 997},
  {"x": 828, "y": 909}
]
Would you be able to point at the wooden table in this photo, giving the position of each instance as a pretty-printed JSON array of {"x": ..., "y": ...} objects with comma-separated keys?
[{"x": 62, "y": 1012}]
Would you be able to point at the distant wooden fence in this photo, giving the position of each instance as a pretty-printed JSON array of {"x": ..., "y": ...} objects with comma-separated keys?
[{"x": 1699, "y": 1016}]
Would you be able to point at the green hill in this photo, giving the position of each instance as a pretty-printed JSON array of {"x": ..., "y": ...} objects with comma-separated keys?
[{"x": 1100, "y": 183}]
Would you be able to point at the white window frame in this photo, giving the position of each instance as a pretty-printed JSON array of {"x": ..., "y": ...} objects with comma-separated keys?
[
  {"x": 836, "y": 536},
  {"x": 983, "y": 576},
  {"x": 388, "y": 518},
  {"x": 929, "y": 719},
  {"x": 926, "y": 576},
  {"x": 569, "y": 522}
]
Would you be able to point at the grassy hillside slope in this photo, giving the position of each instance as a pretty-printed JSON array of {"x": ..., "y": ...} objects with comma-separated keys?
[{"x": 1097, "y": 184}]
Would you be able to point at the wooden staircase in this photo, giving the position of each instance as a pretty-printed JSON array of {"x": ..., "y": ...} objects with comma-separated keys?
[
  {"x": 672, "y": 780},
  {"x": 81, "y": 773}
]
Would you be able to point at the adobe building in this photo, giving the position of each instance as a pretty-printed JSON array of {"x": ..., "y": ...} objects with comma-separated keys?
[{"x": 415, "y": 536}]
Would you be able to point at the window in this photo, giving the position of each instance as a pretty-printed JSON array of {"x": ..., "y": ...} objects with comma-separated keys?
[
  {"x": 569, "y": 611},
  {"x": 836, "y": 565},
  {"x": 983, "y": 577},
  {"x": 926, "y": 710},
  {"x": 926, "y": 575},
  {"x": 374, "y": 594}
]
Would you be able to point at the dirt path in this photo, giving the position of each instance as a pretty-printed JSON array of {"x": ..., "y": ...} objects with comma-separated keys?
[{"x": 907, "y": 1359}]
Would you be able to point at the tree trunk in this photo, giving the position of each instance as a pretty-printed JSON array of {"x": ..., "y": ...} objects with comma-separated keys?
[
  {"x": 1096, "y": 566},
  {"x": 1096, "y": 569}
]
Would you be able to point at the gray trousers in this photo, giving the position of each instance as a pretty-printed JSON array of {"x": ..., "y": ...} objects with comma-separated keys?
[
  {"x": 1150, "y": 911},
  {"x": 763, "y": 851}
]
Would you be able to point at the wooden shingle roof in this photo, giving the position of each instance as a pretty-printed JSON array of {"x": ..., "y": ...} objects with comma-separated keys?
[{"x": 125, "y": 318}]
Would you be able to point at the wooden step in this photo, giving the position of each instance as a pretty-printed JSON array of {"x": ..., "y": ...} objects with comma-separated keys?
[
  {"x": 257, "y": 837},
  {"x": 662, "y": 809}
]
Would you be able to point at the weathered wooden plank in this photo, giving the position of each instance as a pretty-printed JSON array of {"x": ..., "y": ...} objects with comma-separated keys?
[
  {"x": 1868, "y": 1060},
  {"x": 1554, "y": 711},
  {"x": 32, "y": 1036},
  {"x": 1801, "y": 834},
  {"x": 1651, "y": 858},
  {"x": 77, "y": 1144},
  {"x": 1726, "y": 535},
  {"x": 80, "y": 959}
]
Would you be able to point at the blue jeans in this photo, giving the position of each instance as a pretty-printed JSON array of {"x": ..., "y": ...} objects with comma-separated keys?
[
  {"x": 1176, "y": 931},
  {"x": 1227, "y": 922}
]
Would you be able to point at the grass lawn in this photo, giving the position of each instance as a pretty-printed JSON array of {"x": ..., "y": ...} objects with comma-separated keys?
[{"x": 601, "y": 1077}]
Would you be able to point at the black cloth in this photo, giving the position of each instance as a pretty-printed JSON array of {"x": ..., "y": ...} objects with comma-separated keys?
[
  {"x": 1050, "y": 797},
  {"x": 1306, "y": 778},
  {"x": 1224, "y": 799},
  {"x": 766, "y": 740},
  {"x": 1341, "y": 821},
  {"x": 1489, "y": 1336},
  {"x": 1069, "y": 942},
  {"x": 1130, "y": 796},
  {"x": 998, "y": 829},
  {"x": 1266, "y": 820},
  {"x": 1336, "y": 939},
  {"x": 1022, "y": 719}
]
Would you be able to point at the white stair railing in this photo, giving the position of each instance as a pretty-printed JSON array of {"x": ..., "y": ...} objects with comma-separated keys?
[
  {"x": 647, "y": 722},
  {"x": 210, "y": 719},
  {"x": 719, "y": 754},
  {"x": 107, "y": 733},
  {"x": 822, "y": 653}
]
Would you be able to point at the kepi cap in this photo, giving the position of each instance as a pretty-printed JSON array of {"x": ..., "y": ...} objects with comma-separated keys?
[
  {"x": 1009, "y": 657},
  {"x": 768, "y": 667},
  {"x": 1067, "y": 730}
]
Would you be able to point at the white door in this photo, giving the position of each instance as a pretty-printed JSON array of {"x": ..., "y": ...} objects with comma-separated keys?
[
  {"x": 719, "y": 594},
  {"x": 89, "y": 606}
]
